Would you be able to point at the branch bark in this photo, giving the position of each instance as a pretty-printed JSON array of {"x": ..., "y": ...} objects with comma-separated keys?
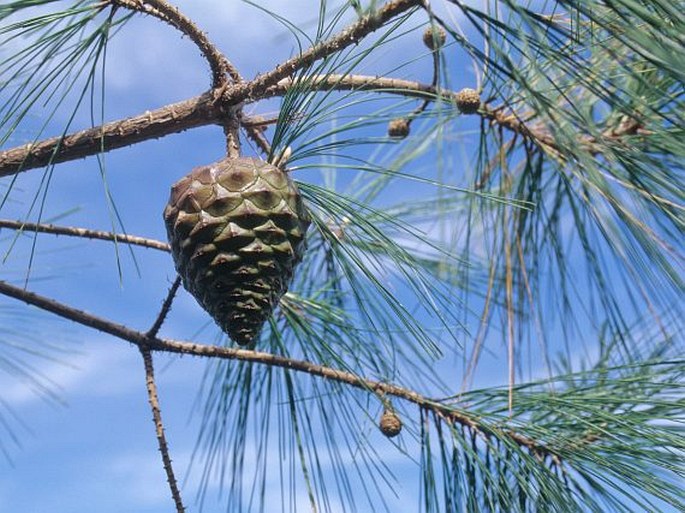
[
  {"x": 205, "y": 110},
  {"x": 72, "y": 231},
  {"x": 196, "y": 112},
  {"x": 166, "y": 307},
  {"x": 143, "y": 340},
  {"x": 174, "y": 118}
]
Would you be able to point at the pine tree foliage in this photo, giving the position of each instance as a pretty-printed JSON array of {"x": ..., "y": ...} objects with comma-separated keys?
[{"x": 534, "y": 221}]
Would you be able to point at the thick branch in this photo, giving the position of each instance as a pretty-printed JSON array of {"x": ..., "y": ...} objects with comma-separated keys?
[
  {"x": 142, "y": 340},
  {"x": 177, "y": 117},
  {"x": 203, "y": 110},
  {"x": 72, "y": 231}
]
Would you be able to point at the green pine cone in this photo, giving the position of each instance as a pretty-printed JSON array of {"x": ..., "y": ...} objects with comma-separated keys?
[{"x": 237, "y": 229}]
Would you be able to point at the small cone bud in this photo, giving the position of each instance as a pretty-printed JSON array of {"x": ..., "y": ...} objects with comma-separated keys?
[
  {"x": 434, "y": 37},
  {"x": 398, "y": 128},
  {"x": 390, "y": 424},
  {"x": 468, "y": 101}
]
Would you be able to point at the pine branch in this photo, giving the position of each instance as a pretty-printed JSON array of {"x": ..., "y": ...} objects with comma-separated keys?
[
  {"x": 143, "y": 340},
  {"x": 216, "y": 107},
  {"x": 540, "y": 134},
  {"x": 73, "y": 231},
  {"x": 210, "y": 108},
  {"x": 192, "y": 113},
  {"x": 204, "y": 110},
  {"x": 174, "y": 118}
]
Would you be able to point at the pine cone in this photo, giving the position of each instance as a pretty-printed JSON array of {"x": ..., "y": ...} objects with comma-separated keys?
[
  {"x": 237, "y": 229},
  {"x": 434, "y": 37},
  {"x": 468, "y": 100},
  {"x": 390, "y": 424},
  {"x": 398, "y": 128}
]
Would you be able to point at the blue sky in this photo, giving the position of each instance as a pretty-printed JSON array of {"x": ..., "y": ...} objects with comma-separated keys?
[{"x": 92, "y": 447}]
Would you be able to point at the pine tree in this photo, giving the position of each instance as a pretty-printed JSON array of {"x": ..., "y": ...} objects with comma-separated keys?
[{"x": 495, "y": 185}]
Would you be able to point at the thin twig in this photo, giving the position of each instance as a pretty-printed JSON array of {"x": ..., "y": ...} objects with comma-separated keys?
[
  {"x": 141, "y": 339},
  {"x": 257, "y": 137},
  {"x": 462, "y": 40},
  {"x": 255, "y": 131},
  {"x": 72, "y": 231},
  {"x": 166, "y": 306},
  {"x": 159, "y": 427}
]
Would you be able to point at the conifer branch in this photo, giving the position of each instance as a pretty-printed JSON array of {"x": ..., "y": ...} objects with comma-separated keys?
[
  {"x": 204, "y": 110},
  {"x": 144, "y": 341},
  {"x": 174, "y": 118}
]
